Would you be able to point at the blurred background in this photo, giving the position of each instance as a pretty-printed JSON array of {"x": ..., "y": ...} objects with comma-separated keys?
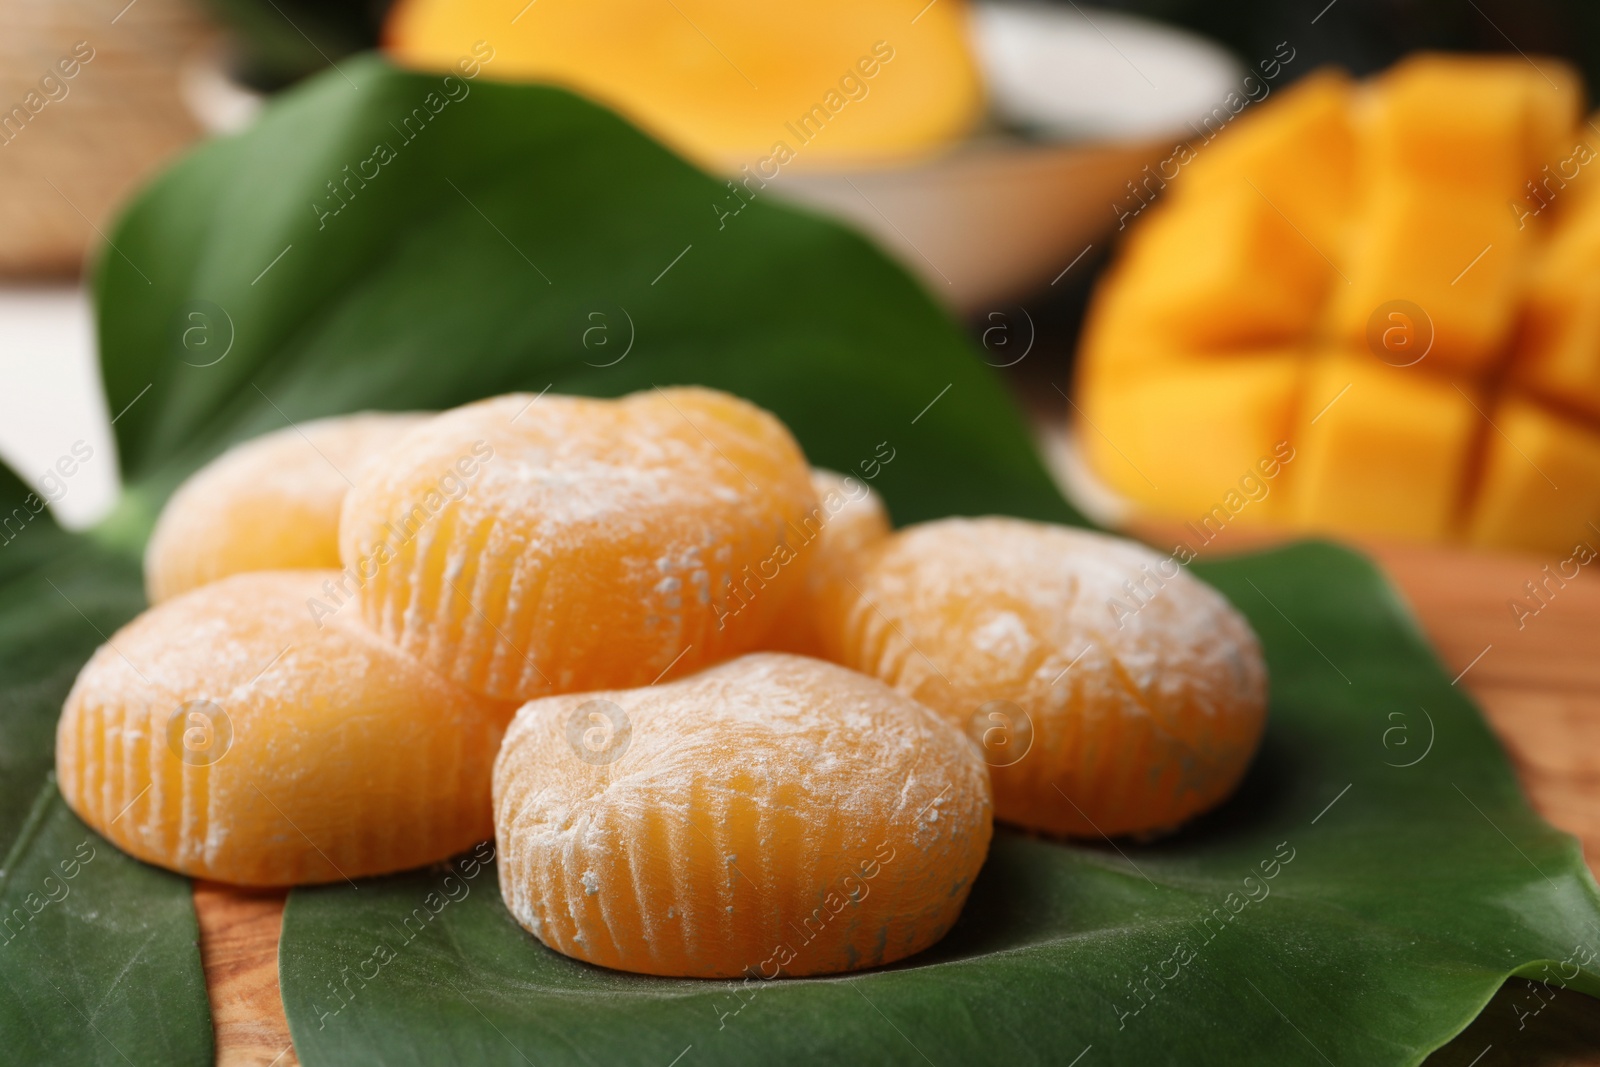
[
  {"x": 1012, "y": 211},
  {"x": 1367, "y": 36}
]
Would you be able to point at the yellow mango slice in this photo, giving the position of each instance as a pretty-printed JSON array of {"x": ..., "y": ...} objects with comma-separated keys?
[
  {"x": 1448, "y": 143},
  {"x": 1481, "y": 125},
  {"x": 1457, "y": 257},
  {"x": 1558, "y": 357},
  {"x": 1194, "y": 433},
  {"x": 1454, "y": 197},
  {"x": 1118, "y": 341},
  {"x": 831, "y": 82},
  {"x": 774, "y": 814},
  {"x": 1564, "y": 201},
  {"x": 1540, "y": 487},
  {"x": 1382, "y": 451},
  {"x": 1193, "y": 279},
  {"x": 271, "y": 503},
  {"x": 1109, "y": 690},
  {"x": 1298, "y": 154},
  {"x": 229, "y": 733}
]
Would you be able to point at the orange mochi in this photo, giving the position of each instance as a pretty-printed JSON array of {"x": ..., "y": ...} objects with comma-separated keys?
[
  {"x": 227, "y": 735},
  {"x": 849, "y": 518},
  {"x": 594, "y": 543},
  {"x": 775, "y": 815},
  {"x": 271, "y": 503},
  {"x": 1109, "y": 691}
]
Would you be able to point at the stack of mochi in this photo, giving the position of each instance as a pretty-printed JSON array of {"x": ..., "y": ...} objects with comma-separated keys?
[{"x": 718, "y": 718}]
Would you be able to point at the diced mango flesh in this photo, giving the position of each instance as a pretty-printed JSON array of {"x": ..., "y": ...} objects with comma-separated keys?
[
  {"x": 1232, "y": 411},
  {"x": 1298, "y": 154},
  {"x": 1456, "y": 257},
  {"x": 1474, "y": 123},
  {"x": 1557, "y": 360},
  {"x": 1540, "y": 483},
  {"x": 1347, "y": 477},
  {"x": 1194, "y": 280},
  {"x": 1447, "y": 217}
]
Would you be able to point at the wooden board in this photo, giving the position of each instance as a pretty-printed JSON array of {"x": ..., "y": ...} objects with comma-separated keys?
[
  {"x": 239, "y": 949},
  {"x": 1537, "y": 679}
]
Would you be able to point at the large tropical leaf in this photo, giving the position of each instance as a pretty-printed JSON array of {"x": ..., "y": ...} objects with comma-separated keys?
[
  {"x": 29, "y": 537},
  {"x": 522, "y": 238},
  {"x": 1393, "y": 900},
  {"x": 98, "y": 958},
  {"x": 1339, "y": 907}
]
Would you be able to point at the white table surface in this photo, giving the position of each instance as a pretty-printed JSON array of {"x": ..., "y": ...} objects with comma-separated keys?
[{"x": 51, "y": 399}]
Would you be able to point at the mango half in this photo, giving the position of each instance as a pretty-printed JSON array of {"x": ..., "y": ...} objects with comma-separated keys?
[
  {"x": 1366, "y": 309},
  {"x": 834, "y": 82}
]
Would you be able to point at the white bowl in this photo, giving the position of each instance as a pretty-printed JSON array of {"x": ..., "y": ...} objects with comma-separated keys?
[{"x": 1096, "y": 96}]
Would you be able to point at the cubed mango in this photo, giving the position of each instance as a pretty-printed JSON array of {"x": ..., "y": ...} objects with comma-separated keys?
[
  {"x": 1540, "y": 480},
  {"x": 1385, "y": 453},
  {"x": 1229, "y": 414}
]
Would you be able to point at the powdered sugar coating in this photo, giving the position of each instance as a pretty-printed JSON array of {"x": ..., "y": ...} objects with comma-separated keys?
[
  {"x": 849, "y": 518},
  {"x": 526, "y": 545},
  {"x": 745, "y": 798},
  {"x": 341, "y": 756},
  {"x": 271, "y": 503},
  {"x": 854, "y": 515},
  {"x": 1138, "y": 691}
]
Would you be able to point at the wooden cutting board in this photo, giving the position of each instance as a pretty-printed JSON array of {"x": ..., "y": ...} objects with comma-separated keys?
[{"x": 1537, "y": 678}]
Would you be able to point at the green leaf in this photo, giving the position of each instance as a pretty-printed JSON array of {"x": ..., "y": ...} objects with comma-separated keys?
[
  {"x": 98, "y": 957},
  {"x": 99, "y": 961},
  {"x": 1399, "y": 909},
  {"x": 476, "y": 262},
  {"x": 30, "y": 667},
  {"x": 1533, "y": 1024},
  {"x": 472, "y": 263}
]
